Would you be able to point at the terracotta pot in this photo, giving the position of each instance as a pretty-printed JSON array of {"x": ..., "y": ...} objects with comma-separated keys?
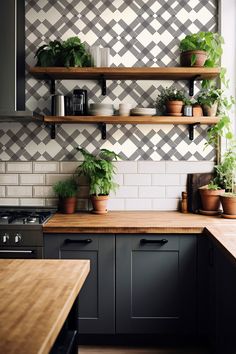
[
  {"x": 174, "y": 108},
  {"x": 210, "y": 198},
  {"x": 210, "y": 111},
  {"x": 197, "y": 111},
  {"x": 67, "y": 205},
  {"x": 228, "y": 204},
  {"x": 99, "y": 204},
  {"x": 201, "y": 57}
]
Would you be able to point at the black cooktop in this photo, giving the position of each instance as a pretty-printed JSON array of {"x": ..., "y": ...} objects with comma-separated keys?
[{"x": 24, "y": 216}]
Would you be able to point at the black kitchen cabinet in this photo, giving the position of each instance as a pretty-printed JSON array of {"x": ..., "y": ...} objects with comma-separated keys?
[
  {"x": 156, "y": 284},
  {"x": 97, "y": 298}
]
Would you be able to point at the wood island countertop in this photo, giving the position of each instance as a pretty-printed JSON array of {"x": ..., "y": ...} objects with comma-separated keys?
[
  {"x": 223, "y": 230},
  {"x": 36, "y": 298}
]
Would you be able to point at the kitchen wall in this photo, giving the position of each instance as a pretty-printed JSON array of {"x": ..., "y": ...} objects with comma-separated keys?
[{"x": 155, "y": 158}]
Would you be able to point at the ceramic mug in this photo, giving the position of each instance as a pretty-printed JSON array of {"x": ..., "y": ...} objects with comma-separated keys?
[{"x": 124, "y": 109}]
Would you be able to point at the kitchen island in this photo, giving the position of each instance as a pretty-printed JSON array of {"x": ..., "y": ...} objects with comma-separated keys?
[{"x": 36, "y": 299}]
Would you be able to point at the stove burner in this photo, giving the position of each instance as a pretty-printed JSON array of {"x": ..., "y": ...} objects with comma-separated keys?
[
  {"x": 5, "y": 216},
  {"x": 24, "y": 217},
  {"x": 32, "y": 219}
]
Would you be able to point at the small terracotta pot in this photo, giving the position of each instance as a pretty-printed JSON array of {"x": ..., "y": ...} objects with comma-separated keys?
[
  {"x": 201, "y": 57},
  {"x": 210, "y": 198},
  {"x": 67, "y": 205},
  {"x": 197, "y": 111},
  {"x": 174, "y": 108},
  {"x": 99, "y": 204},
  {"x": 228, "y": 204},
  {"x": 210, "y": 111}
]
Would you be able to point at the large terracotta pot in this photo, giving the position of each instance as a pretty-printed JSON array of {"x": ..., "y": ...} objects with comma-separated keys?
[
  {"x": 210, "y": 198},
  {"x": 174, "y": 108},
  {"x": 186, "y": 57},
  {"x": 229, "y": 204},
  {"x": 67, "y": 205},
  {"x": 210, "y": 111},
  {"x": 99, "y": 203}
]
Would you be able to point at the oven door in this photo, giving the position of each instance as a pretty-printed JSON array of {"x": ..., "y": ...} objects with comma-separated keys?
[{"x": 21, "y": 252}]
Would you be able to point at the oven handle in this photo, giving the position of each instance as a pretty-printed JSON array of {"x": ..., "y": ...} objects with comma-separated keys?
[{"x": 17, "y": 251}]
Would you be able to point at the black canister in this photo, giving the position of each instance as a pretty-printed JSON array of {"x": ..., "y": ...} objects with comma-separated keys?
[{"x": 80, "y": 102}]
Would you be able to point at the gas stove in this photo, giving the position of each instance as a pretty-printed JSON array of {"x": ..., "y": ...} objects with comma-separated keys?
[{"x": 21, "y": 231}]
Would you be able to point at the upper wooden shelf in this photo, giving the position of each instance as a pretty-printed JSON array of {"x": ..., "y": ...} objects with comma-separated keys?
[
  {"x": 121, "y": 73},
  {"x": 131, "y": 119}
]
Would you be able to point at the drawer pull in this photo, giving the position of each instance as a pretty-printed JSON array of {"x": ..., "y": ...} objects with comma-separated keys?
[
  {"x": 160, "y": 242},
  {"x": 86, "y": 240}
]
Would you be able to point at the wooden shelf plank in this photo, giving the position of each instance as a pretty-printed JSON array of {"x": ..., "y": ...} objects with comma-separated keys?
[
  {"x": 131, "y": 119},
  {"x": 121, "y": 73}
]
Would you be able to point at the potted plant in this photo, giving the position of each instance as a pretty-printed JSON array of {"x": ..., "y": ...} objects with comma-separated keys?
[
  {"x": 67, "y": 193},
  {"x": 210, "y": 99},
  {"x": 210, "y": 198},
  {"x": 201, "y": 49},
  {"x": 170, "y": 101},
  {"x": 100, "y": 171},
  {"x": 70, "y": 52}
]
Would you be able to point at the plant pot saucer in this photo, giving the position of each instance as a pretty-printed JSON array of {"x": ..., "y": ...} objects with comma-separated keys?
[
  {"x": 210, "y": 212},
  {"x": 228, "y": 216},
  {"x": 175, "y": 114},
  {"x": 99, "y": 212}
]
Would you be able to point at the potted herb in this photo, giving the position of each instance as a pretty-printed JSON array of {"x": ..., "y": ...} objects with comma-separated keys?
[
  {"x": 170, "y": 101},
  {"x": 70, "y": 52},
  {"x": 210, "y": 198},
  {"x": 210, "y": 99},
  {"x": 66, "y": 191},
  {"x": 100, "y": 171},
  {"x": 201, "y": 49}
]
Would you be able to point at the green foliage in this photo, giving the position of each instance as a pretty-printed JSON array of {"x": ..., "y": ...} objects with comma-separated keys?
[
  {"x": 210, "y": 96},
  {"x": 169, "y": 94},
  {"x": 213, "y": 186},
  {"x": 206, "y": 41},
  {"x": 100, "y": 171},
  {"x": 66, "y": 189},
  {"x": 226, "y": 170},
  {"x": 68, "y": 53}
]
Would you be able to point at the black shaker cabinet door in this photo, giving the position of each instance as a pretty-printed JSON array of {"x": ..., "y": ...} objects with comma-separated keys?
[{"x": 156, "y": 284}]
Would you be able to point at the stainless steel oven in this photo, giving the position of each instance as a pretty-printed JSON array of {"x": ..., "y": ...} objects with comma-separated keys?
[{"x": 21, "y": 233}]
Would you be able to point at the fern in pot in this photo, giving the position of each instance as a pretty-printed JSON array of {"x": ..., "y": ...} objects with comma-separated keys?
[
  {"x": 170, "y": 101},
  {"x": 66, "y": 191},
  {"x": 100, "y": 171}
]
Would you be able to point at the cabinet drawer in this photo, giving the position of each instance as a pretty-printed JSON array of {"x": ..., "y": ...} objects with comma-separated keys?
[
  {"x": 153, "y": 242},
  {"x": 79, "y": 242}
]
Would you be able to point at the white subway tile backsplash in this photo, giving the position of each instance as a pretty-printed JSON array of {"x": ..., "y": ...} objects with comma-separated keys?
[
  {"x": 46, "y": 167},
  {"x": 2, "y": 167},
  {"x": 32, "y": 201},
  {"x": 9, "y": 201},
  {"x": 43, "y": 191},
  {"x": 126, "y": 192},
  {"x": 189, "y": 166},
  {"x": 151, "y": 166},
  {"x": 119, "y": 179},
  {"x": 137, "y": 179},
  {"x": 165, "y": 204},
  {"x": 51, "y": 178},
  {"x": 116, "y": 204},
  {"x": 151, "y": 192},
  {"x": 19, "y": 167},
  {"x": 32, "y": 179},
  {"x": 138, "y": 204},
  {"x": 174, "y": 192},
  {"x": 9, "y": 179},
  {"x": 69, "y": 166},
  {"x": 19, "y": 191},
  {"x": 51, "y": 202},
  {"x": 2, "y": 192},
  {"x": 183, "y": 179},
  {"x": 126, "y": 166},
  {"x": 165, "y": 179}
]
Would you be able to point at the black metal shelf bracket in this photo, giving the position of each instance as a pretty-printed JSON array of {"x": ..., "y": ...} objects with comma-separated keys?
[
  {"x": 53, "y": 131},
  {"x": 52, "y": 87},
  {"x": 103, "y": 84},
  {"x": 103, "y": 129},
  {"x": 191, "y": 130},
  {"x": 191, "y": 85}
]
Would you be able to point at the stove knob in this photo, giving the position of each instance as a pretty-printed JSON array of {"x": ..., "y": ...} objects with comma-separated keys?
[
  {"x": 5, "y": 238},
  {"x": 17, "y": 238}
]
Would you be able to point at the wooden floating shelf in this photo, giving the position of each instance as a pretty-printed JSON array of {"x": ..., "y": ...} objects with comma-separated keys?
[
  {"x": 121, "y": 73},
  {"x": 131, "y": 119}
]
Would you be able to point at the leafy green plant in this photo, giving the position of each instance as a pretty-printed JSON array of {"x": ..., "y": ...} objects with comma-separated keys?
[
  {"x": 207, "y": 41},
  {"x": 210, "y": 96},
  {"x": 66, "y": 189},
  {"x": 100, "y": 171},
  {"x": 68, "y": 53},
  {"x": 169, "y": 94}
]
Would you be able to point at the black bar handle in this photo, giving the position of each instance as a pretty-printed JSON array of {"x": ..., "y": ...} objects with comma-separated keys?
[
  {"x": 160, "y": 242},
  {"x": 86, "y": 240}
]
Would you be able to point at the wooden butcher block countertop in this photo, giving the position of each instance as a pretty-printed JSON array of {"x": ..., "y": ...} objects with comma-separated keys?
[
  {"x": 224, "y": 230},
  {"x": 36, "y": 297}
]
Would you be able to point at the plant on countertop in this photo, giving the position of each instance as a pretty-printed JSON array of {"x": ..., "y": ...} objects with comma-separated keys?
[
  {"x": 100, "y": 171},
  {"x": 169, "y": 94},
  {"x": 70, "y": 52},
  {"x": 208, "y": 42},
  {"x": 66, "y": 191}
]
